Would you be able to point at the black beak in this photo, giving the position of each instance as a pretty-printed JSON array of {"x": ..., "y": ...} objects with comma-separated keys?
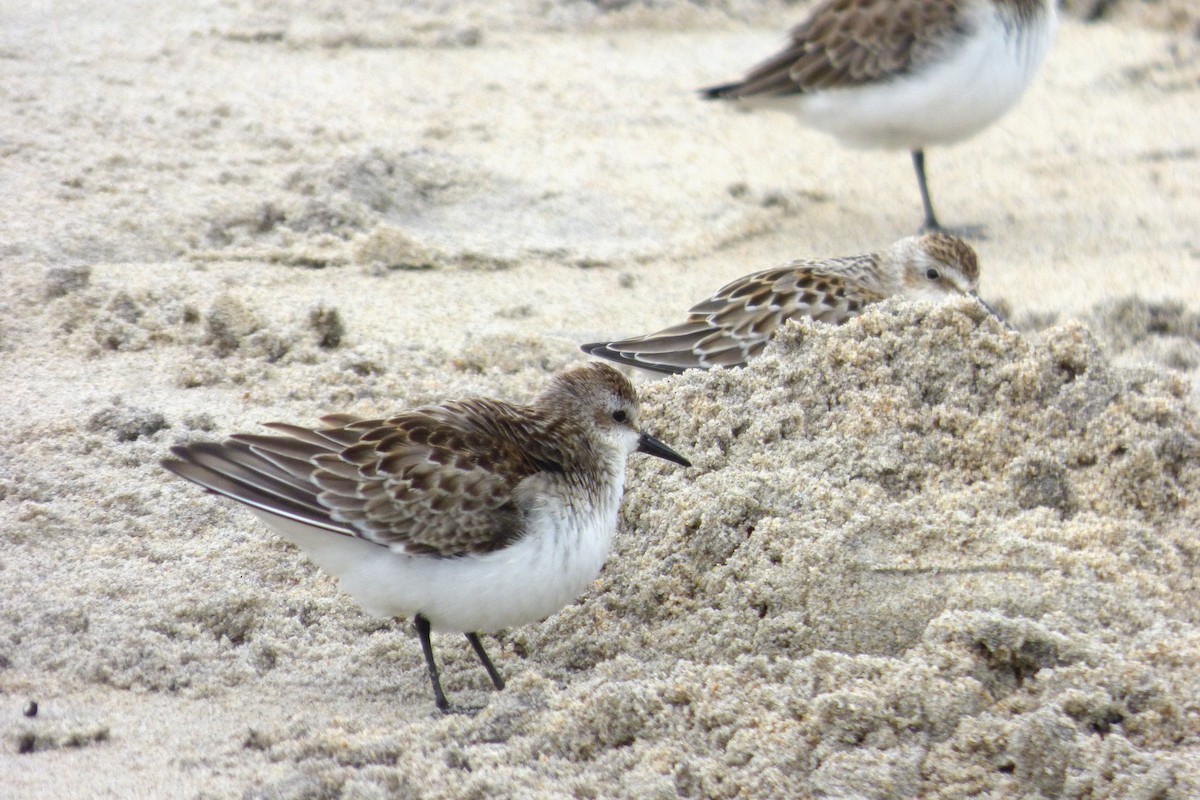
[
  {"x": 992, "y": 311},
  {"x": 648, "y": 444}
]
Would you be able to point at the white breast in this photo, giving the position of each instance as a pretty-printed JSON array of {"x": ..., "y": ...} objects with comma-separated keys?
[{"x": 555, "y": 561}]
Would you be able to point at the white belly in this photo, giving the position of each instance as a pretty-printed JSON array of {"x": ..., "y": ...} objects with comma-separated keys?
[
  {"x": 549, "y": 567},
  {"x": 950, "y": 100}
]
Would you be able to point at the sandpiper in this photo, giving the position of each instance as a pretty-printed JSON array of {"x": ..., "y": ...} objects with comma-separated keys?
[
  {"x": 468, "y": 516},
  {"x": 903, "y": 74},
  {"x": 735, "y": 324}
]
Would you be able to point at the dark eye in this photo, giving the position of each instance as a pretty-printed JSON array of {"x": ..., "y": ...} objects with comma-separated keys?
[
  {"x": 620, "y": 416},
  {"x": 932, "y": 274}
]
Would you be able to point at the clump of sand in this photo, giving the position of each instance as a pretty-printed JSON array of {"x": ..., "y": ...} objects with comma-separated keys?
[{"x": 944, "y": 558}]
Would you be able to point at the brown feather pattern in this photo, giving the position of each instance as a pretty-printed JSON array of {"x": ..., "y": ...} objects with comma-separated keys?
[
  {"x": 441, "y": 480},
  {"x": 438, "y": 480},
  {"x": 848, "y": 43},
  {"x": 734, "y": 325}
]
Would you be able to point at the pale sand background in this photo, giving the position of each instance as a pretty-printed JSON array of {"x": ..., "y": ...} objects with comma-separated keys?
[{"x": 918, "y": 555}]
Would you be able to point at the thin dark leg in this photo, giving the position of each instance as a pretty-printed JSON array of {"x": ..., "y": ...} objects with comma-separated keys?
[
  {"x": 931, "y": 224},
  {"x": 423, "y": 631},
  {"x": 492, "y": 672}
]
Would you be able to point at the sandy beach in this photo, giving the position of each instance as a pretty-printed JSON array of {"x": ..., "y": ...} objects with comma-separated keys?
[{"x": 919, "y": 554}]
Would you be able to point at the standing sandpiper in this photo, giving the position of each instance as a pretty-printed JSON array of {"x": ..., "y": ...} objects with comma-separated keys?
[
  {"x": 468, "y": 516},
  {"x": 903, "y": 74}
]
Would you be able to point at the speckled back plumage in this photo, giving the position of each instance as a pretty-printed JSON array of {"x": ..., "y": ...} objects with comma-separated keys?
[
  {"x": 439, "y": 480},
  {"x": 735, "y": 324},
  {"x": 847, "y": 43}
]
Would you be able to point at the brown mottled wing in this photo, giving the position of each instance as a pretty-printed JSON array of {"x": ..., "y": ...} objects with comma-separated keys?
[
  {"x": 433, "y": 481},
  {"x": 735, "y": 324},
  {"x": 847, "y": 43}
]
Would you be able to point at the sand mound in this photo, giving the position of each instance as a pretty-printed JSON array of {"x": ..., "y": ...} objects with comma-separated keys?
[{"x": 922, "y": 557}]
